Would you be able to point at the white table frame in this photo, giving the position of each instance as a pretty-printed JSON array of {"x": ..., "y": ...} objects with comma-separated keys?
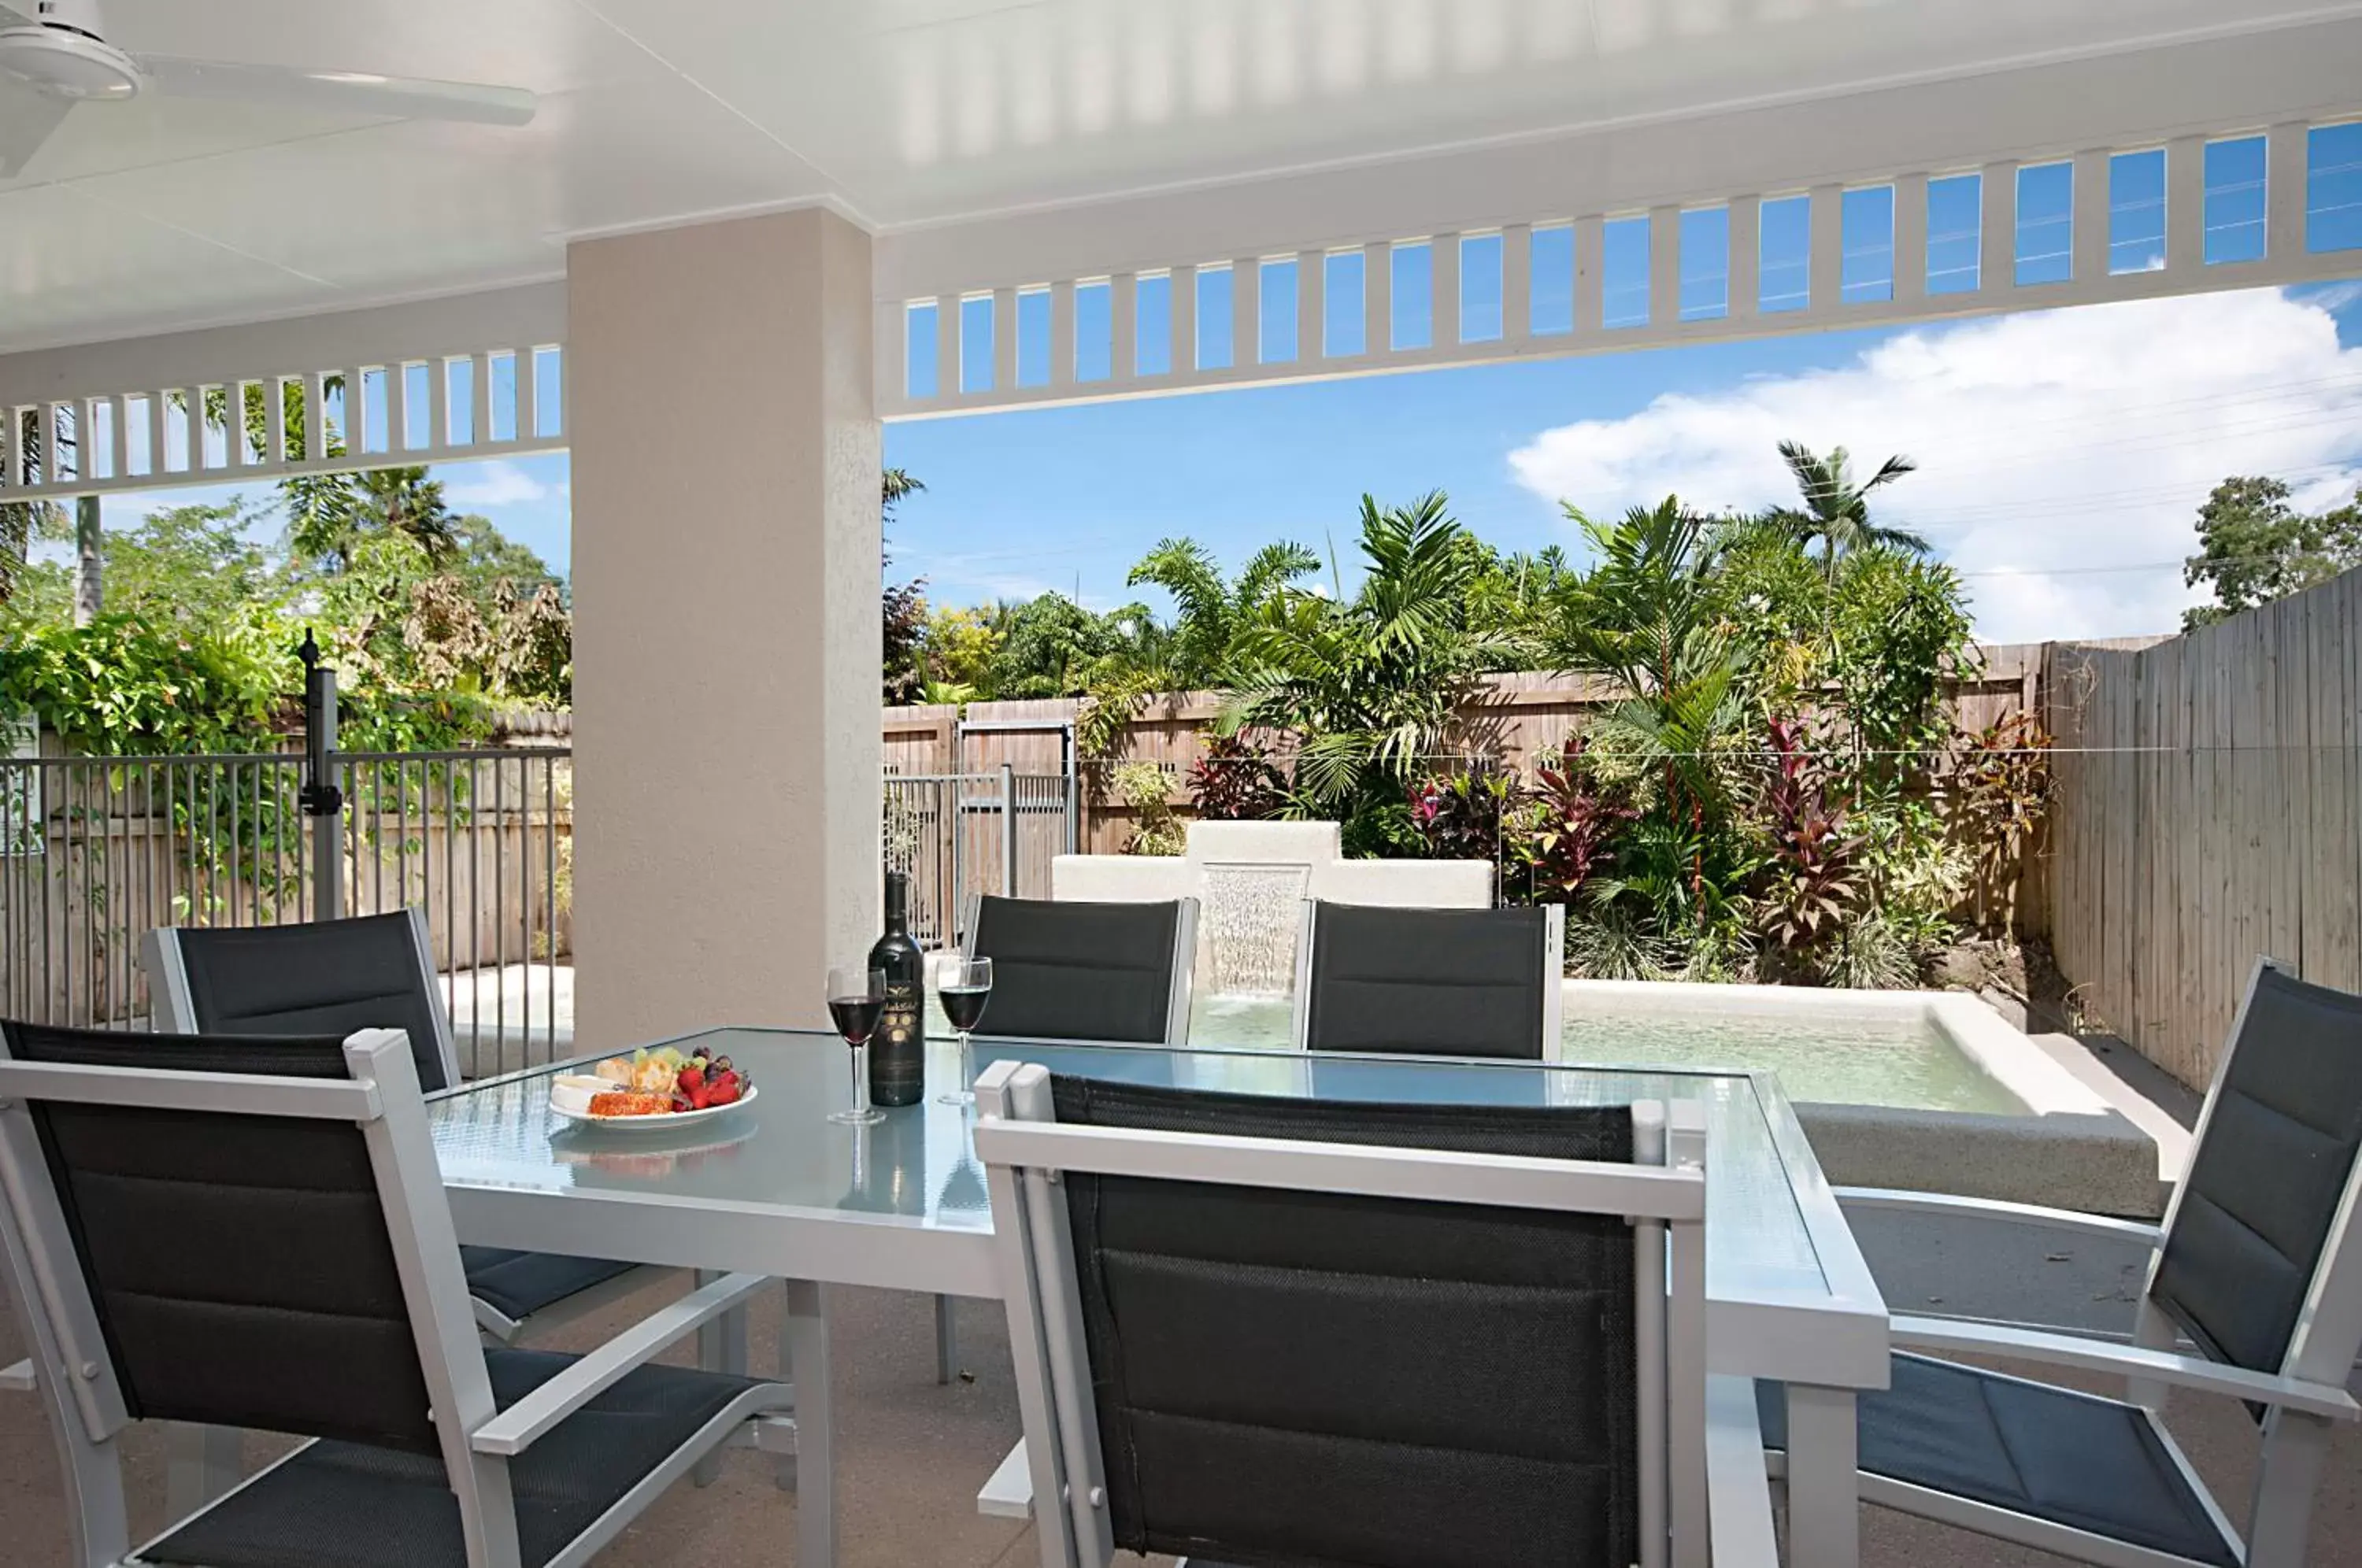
[{"x": 1825, "y": 1347}]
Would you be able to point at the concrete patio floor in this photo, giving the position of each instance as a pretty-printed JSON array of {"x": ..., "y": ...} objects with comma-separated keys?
[{"x": 913, "y": 1453}]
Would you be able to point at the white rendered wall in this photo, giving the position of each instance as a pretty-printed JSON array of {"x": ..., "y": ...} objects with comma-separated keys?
[{"x": 725, "y": 507}]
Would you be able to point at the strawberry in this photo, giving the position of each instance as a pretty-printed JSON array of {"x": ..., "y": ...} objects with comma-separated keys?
[{"x": 723, "y": 1090}]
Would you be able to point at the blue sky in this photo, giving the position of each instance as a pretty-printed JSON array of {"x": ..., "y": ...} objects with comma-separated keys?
[{"x": 2063, "y": 455}]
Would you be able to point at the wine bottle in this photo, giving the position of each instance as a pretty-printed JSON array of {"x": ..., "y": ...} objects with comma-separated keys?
[{"x": 898, "y": 1051}]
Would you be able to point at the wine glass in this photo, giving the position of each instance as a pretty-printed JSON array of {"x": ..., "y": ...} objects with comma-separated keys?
[
  {"x": 963, "y": 985},
  {"x": 856, "y": 1000}
]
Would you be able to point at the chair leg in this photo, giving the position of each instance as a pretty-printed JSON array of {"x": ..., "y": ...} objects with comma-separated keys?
[
  {"x": 1824, "y": 1487},
  {"x": 721, "y": 1347},
  {"x": 2296, "y": 1449},
  {"x": 807, "y": 1336},
  {"x": 946, "y": 1340}
]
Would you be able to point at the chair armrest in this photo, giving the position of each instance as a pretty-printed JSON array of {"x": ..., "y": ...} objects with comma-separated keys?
[
  {"x": 1876, "y": 1197},
  {"x": 1737, "y": 1489},
  {"x": 18, "y": 1378},
  {"x": 2129, "y": 1361},
  {"x": 523, "y": 1423}
]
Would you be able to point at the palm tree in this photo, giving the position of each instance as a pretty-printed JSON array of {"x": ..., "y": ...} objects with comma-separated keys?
[
  {"x": 1645, "y": 614},
  {"x": 1209, "y": 611},
  {"x": 1836, "y": 510},
  {"x": 1375, "y": 683}
]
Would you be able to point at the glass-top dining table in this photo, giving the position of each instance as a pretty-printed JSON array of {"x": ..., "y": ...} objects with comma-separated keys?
[{"x": 775, "y": 1187}]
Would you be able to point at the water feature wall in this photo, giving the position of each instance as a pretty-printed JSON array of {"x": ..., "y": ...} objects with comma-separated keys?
[{"x": 1251, "y": 880}]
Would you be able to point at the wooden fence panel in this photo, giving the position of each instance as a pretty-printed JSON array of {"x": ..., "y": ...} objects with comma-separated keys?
[{"x": 2206, "y": 812}]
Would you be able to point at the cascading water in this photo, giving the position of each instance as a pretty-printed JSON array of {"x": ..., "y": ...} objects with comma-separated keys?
[{"x": 1248, "y": 919}]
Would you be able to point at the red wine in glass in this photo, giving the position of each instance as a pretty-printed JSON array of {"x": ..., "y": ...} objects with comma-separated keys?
[
  {"x": 964, "y": 1005},
  {"x": 856, "y": 1000},
  {"x": 856, "y": 1017}
]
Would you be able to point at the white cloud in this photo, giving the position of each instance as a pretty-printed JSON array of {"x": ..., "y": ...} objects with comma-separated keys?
[
  {"x": 494, "y": 483},
  {"x": 2055, "y": 447}
]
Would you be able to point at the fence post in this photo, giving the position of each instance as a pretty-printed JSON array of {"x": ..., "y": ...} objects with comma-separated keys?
[
  {"x": 1008, "y": 830},
  {"x": 321, "y": 800}
]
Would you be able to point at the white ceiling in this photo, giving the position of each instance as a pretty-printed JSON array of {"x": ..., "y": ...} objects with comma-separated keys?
[{"x": 160, "y": 214}]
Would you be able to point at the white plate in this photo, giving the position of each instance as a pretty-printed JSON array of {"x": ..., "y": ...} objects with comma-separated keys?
[{"x": 648, "y": 1123}]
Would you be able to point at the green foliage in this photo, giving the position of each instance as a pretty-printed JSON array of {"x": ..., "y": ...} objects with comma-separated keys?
[
  {"x": 1235, "y": 779},
  {"x": 1374, "y": 684},
  {"x": 1211, "y": 613},
  {"x": 126, "y": 685},
  {"x": 1146, "y": 789},
  {"x": 2255, "y": 547}
]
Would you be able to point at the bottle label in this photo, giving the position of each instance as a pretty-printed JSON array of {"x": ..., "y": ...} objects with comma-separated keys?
[{"x": 897, "y": 1063}]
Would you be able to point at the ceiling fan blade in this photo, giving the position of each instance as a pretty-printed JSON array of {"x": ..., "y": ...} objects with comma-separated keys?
[
  {"x": 338, "y": 91},
  {"x": 27, "y": 118}
]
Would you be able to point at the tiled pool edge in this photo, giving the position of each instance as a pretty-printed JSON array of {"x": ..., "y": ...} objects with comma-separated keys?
[{"x": 2071, "y": 1150}]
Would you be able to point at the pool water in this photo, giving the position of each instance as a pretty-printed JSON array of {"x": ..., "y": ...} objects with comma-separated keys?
[{"x": 1831, "y": 1057}]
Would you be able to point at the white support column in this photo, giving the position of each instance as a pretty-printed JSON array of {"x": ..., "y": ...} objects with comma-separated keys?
[
  {"x": 528, "y": 393},
  {"x": 1061, "y": 333},
  {"x": 1123, "y": 327},
  {"x": 1664, "y": 265},
  {"x": 1516, "y": 282},
  {"x": 1443, "y": 272},
  {"x": 479, "y": 394},
  {"x": 1246, "y": 313},
  {"x": 1825, "y": 255},
  {"x": 2185, "y": 205},
  {"x": 1004, "y": 338},
  {"x": 947, "y": 348},
  {"x": 1997, "y": 227},
  {"x": 726, "y": 621},
  {"x": 1377, "y": 299},
  {"x": 48, "y": 447},
  {"x": 1910, "y": 239},
  {"x": 2090, "y": 240},
  {"x": 157, "y": 402},
  {"x": 12, "y": 474},
  {"x": 274, "y": 424},
  {"x": 315, "y": 412},
  {"x": 1312, "y": 292},
  {"x": 1185, "y": 321},
  {"x": 438, "y": 403},
  {"x": 397, "y": 408},
  {"x": 2284, "y": 192},
  {"x": 1590, "y": 277},
  {"x": 357, "y": 403}
]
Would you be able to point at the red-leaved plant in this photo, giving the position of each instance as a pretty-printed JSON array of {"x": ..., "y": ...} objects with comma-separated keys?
[
  {"x": 1234, "y": 781},
  {"x": 1573, "y": 827},
  {"x": 1811, "y": 879}
]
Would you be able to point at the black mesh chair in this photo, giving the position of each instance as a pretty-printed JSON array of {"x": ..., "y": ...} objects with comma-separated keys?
[
  {"x": 1074, "y": 970},
  {"x": 1429, "y": 982},
  {"x": 1314, "y": 1332},
  {"x": 250, "y": 1232},
  {"x": 373, "y": 972},
  {"x": 2256, "y": 1264},
  {"x": 1078, "y": 970}
]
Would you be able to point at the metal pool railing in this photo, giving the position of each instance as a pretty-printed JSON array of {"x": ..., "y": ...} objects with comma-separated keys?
[{"x": 97, "y": 851}]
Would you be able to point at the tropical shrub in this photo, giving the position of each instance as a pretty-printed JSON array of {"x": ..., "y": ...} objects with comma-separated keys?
[
  {"x": 1462, "y": 816},
  {"x": 1568, "y": 827},
  {"x": 1812, "y": 879},
  {"x": 1234, "y": 780},
  {"x": 1146, "y": 789}
]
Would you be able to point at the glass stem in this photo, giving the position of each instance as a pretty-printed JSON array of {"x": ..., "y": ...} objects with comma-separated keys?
[
  {"x": 967, "y": 1063},
  {"x": 861, "y": 1079}
]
